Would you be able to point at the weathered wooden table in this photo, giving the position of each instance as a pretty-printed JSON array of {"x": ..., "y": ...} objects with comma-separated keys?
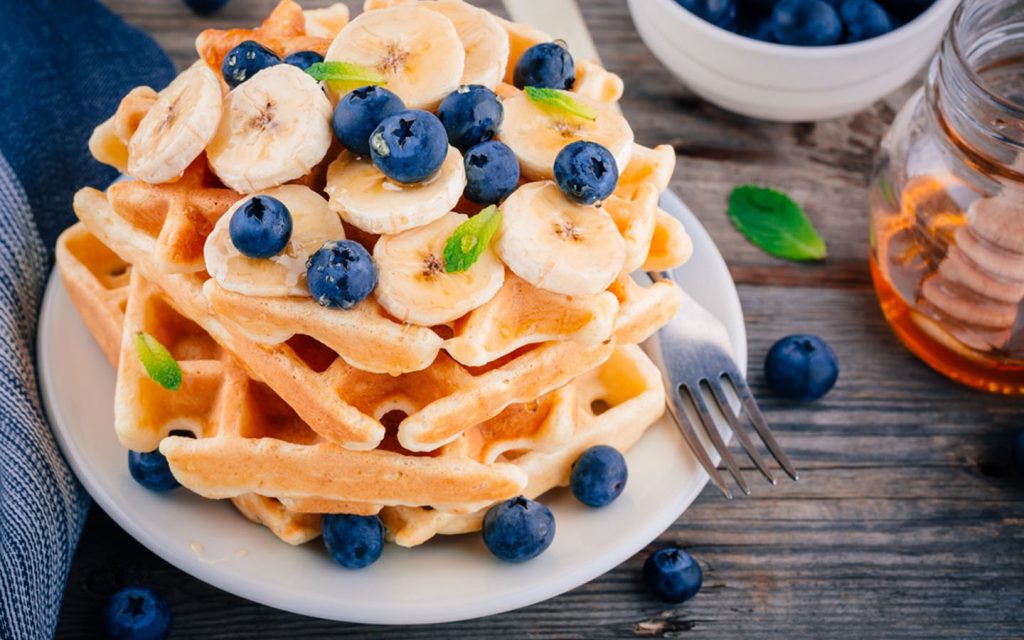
[{"x": 908, "y": 521}]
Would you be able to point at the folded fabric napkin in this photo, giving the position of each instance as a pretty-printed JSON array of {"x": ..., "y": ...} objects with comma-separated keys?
[{"x": 66, "y": 65}]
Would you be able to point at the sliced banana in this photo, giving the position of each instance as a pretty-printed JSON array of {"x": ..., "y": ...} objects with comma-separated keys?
[
  {"x": 276, "y": 127},
  {"x": 636, "y": 219},
  {"x": 557, "y": 245},
  {"x": 416, "y": 50},
  {"x": 313, "y": 224},
  {"x": 177, "y": 127},
  {"x": 367, "y": 199},
  {"x": 413, "y": 285},
  {"x": 536, "y": 135},
  {"x": 326, "y": 22},
  {"x": 484, "y": 40},
  {"x": 109, "y": 141}
]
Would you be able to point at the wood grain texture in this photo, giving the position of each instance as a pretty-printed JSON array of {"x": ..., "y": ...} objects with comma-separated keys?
[{"x": 907, "y": 522}]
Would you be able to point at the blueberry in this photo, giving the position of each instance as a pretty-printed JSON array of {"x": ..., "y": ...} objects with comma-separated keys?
[
  {"x": 586, "y": 172},
  {"x": 599, "y": 476},
  {"x": 761, "y": 30},
  {"x": 864, "y": 19},
  {"x": 809, "y": 23},
  {"x": 341, "y": 274},
  {"x": 907, "y": 10},
  {"x": 410, "y": 146},
  {"x": 519, "y": 529},
  {"x": 151, "y": 471},
  {"x": 245, "y": 61},
  {"x": 672, "y": 575},
  {"x": 361, "y": 111},
  {"x": 492, "y": 172},
  {"x": 721, "y": 13},
  {"x": 261, "y": 227},
  {"x": 205, "y": 7},
  {"x": 137, "y": 613},
  {"x": 547, "y": 64},
  {"x": 801, "y": 367},
  {"x": 471, "y": 114},
  {"x": 353, "y": 541},
  {"x": 303, "y": 59}
]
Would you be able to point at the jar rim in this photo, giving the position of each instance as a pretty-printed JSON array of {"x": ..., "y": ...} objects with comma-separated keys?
[{"x": 972, "y": 74}]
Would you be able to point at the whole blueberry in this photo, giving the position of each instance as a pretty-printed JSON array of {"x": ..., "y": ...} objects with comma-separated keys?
[
  {"x": 672, "y": 575},
  {"x": 410, "y": 146},
  {"x": 353, "y": 541},
  {"x": 808, "y": 23},
  {"x": 137, "y": 613},
  {"x": 599, "y": 476},
  {"x": 341, "y": 274},
  {"x": 519, "y": 529},
  {"x": 761, "y": 30},
  {"x": 492, "y": 172},
  {"x": 801, "y": 367},
  {"x": 359, "y": 112},
  {"x": 547, "y": 64},
  {"x": 303, "y": 59},
  {"x": 260, "y": 227},
  {"x": 586, "y": 172},
  {"x": 205, "y": 7},
  {"x": 471, "y": 114},
  {"x": 245, "y": 61},
  {"x": 721, "y": 13},
  {"x": 151, "y": 470},
  {"x": 864, "y": 19}
]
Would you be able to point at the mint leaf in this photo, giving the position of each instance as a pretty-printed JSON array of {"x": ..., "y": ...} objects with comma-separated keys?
[
  {"x": 560, "y": 101},
  {"x": 158, "y": 361},
  {"x": 773, "y": 222},
  {"x": 347, "y": 72},
  {"x": 470, "y": 239}
]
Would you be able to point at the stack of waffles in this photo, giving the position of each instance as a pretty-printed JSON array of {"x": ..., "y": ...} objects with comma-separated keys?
[{"x": 291, "y": 409}]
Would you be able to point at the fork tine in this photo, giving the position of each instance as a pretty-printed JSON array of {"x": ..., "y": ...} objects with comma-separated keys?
[
  {"x": 741, "y": 434},
  {"x": 761, "y": 426},
  {"x": 695, "y": 445},
  {"x": 697, "y": 396}
]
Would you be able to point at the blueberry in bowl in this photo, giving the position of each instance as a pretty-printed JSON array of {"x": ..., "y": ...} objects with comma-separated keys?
[
  {"x": 721, "y": 13},
  {"x": 809, "y": 23}
]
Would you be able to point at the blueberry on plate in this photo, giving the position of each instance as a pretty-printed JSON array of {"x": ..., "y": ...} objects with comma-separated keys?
[
  {"x": 260, "y": 227},
  {"x": 586, "y": 172},
  {"x": 341, "y": 274},
  {"x": 245, "y": 61},
  {"x": 864, "y": 19},
  {"x": 150, "y": 469},
  {"x": 545, "y": 65},
  {"x": 410, "y": 146},
  {"x": 807, "y": 23},
  {"x": 137, "y": 613},
  {"x": 598, "y": 476},
  {"x": 519, "y": 529},
  {"x": 721, "y": 13},
  {"x": 303, "y": 59},
  {"x": 353, "y": 541},
  {"x": 205, "y": 7},
  {"x": 801, "y": 367},
  {"x": 492, "y": 172},
  {"x": 359, "y": 112},
  {"x": 672, "y": 574},
  {"x": 471, "y": 114}
]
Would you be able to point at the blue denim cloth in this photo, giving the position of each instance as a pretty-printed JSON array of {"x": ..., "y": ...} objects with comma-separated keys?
[{"x": 66, "y": 64}]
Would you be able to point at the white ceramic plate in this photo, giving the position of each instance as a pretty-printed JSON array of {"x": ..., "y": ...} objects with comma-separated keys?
[{"x": 448, "y": 578}]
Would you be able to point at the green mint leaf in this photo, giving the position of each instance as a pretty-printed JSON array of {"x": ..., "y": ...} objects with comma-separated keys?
[
  {"x": 344, "y": 72},
  {"x": 158, "y": 361},
  {"x": 470, "y": 239},
  {"x": 773, "y": 222},
  {"x": 560, "y": 101}
]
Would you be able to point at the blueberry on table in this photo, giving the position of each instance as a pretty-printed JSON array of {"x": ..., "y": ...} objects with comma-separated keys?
[
  {"x": 545, "y": 65},
  {"x": 471, "y": 114},
  {"x": 519, "y": 529},
  {"x": 205, "y": 7},
  {"x": 598, "y": 476},
  {"x": 137, "y": 613},
  {"x": 673, "y": 575},
  {"x": 808, "y": 23},
  {"x": 721, "y": 13},
  {"x": 261, "y": 227},
  {"x": 353, "y": 541},
  {"x": 864, "y": 19},
  {"x": 586, "y": 172},
  {"x": 801, "y": 367},
  {"x": 410, "y": 146},
  {"x": 150, "y": 469},
  {"x": 245, "y": 61},
  {"x": 341, "y": 274},
  {"x": 492, "y": 172},
  {"x": 359, "y": 112},
  {"x": 303, "y": 59}
]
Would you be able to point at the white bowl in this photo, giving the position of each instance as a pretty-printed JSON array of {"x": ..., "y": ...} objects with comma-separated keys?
[{"x": 781, "y": 82}]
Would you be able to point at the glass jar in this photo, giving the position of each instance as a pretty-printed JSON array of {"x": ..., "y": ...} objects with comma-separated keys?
[{"x": 947, "y": 204}]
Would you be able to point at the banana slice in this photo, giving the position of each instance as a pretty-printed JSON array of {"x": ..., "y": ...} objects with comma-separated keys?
[
  {"x": 109, "y": 141},
  {"x": 313, "y": 224},
  {"x": 536, "y": 135},
  {"x": 177, "y": 127},
  {"x": 367, "y": 199},
  {"x": 276, "y": 127},
  {"x": 326, "y": 22},
  {"x": 416, "y": 50},
  {"x": 413, "y": 285},
  {"x": 636, "y": 219},
  {"x": 484, "y": 40},
  {"x": 557, "y": 245}
]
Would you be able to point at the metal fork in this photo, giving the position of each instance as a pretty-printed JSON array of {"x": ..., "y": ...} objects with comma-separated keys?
[{"x": 694, "y": 353}]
